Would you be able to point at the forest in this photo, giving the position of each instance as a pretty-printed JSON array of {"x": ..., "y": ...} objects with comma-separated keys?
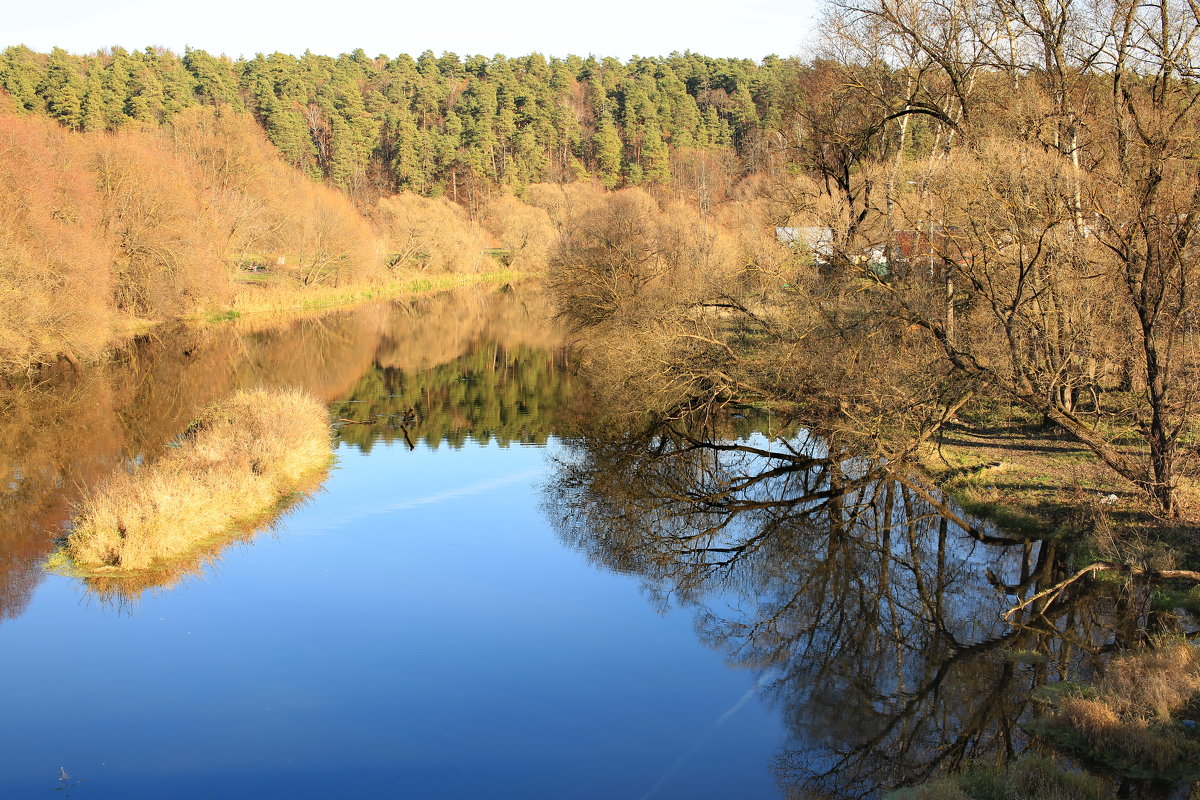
[
  {"x": 197, "y": 185},
  {"x": 436, "y": 125}
]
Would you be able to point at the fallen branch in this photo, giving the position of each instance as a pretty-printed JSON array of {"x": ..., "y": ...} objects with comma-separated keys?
[{"x": 1100, "y": 566}]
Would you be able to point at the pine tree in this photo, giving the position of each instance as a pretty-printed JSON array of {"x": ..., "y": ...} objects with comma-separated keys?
[
  {"x": 116, "y": 81},
  {"x": 607, "y": 145},
  {"x": 215, "y": 79},
  {"x": 61, "y": 88},
  {"x": 288, "y": 131},
  {"x": 407, "y": 162},
  {"x": 145, "y": 100},
  {"x": 656, "y": 158},
  {"x": 91, "y": 112},
  {"x": 21, "y": 76}
]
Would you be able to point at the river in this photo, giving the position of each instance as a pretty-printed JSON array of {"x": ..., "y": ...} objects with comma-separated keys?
[{"x": 488, "y": 599}]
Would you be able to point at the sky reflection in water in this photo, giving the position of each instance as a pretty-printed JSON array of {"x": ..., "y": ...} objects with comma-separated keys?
[{"x": 417, "y": 629}]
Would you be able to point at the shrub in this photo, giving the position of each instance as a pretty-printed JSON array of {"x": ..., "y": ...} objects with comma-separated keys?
[
  {"x": 429, "y": 234},
  {"x": 522, "y": 231},
  {"x": 1127, "y": 719},
  {"x": 55, "y": 278}
]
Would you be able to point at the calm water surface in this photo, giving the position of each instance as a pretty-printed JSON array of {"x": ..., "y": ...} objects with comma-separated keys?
[
  {"x": 417, "y": 629},
  {"x": 485, "y": 601}
]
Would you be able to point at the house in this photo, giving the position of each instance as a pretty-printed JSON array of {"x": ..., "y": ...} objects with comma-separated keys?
[{"x": 817, "y": 240}]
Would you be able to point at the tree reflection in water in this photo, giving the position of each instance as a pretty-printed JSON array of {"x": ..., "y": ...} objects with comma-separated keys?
[
  {"x": 474, "y": 363},
  {"x": 876, "y": 609}
]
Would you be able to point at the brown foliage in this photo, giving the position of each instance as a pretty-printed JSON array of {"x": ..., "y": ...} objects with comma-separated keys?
[
  {"x": 705, "y": 177},
  {"x": 621, "y": 255},
  {"x": 429, "y": 234},
  {"x": 260, "y": 205},
  {"x": 165, "y": 257},
  {"x": 54, "y": 269},
  {"x": 561, "y": 201},
  {"x": 152, "y": 223},
  {"x": 523, "y": 232}
]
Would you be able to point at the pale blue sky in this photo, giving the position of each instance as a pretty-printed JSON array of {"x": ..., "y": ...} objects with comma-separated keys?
[{"x": 242, "y": 27}]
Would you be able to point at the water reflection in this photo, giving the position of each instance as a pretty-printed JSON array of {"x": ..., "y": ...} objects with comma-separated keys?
[
  {"x": 871, "y": 608},
  {"x": 468, "y": 363}
]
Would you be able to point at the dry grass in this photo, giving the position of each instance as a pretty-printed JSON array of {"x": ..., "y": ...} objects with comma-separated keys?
[
  {"x": 1031, "y": 777},
  {"x": 238, "y": 462},
  {"x": 289, "y": 299},
  {"x": 123, "y": 588},
  {"x": 1128, "y": 719}
]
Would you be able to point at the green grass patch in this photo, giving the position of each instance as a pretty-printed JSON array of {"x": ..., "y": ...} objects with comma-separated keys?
[{"x": 1011, "y": 518}]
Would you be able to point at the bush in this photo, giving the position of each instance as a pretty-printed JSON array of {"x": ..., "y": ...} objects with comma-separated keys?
[
  {"x": 429, "y": 234},
  {"x": 523, "y": 232},
  {"x": 55, "y": 266}
]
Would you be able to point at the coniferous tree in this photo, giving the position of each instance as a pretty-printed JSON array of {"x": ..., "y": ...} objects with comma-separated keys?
[
  {"x": 608, "y": 151},
  {"x": 91, "y": 110},
  {"x": 21, "y": 77},
  {"x": 61, "y": 88},
  {"x": 435, "y": 123}
]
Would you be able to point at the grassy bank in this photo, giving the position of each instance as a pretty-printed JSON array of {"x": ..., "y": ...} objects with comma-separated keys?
[
  {"x": 1031, "y": 777},
  {"x": 1000, "y": 463},
  {"x": 275, "y": 299},
  {"x": 1025, "y": 478},
  {"x": 1138, "y": 719},
  {"x": 238, "y": 462}
]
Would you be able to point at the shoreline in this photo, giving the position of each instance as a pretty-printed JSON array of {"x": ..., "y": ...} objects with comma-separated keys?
[
  {"x": 285, "y": 304},
  {"x": 267, "y": 300},
  {"x": 1039, "y": 481}
]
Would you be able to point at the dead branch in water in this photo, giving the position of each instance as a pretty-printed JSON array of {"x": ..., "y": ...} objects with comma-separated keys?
[{"x": 1101, "y": 566}]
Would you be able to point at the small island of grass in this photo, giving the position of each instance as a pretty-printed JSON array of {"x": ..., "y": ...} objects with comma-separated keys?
[{"x": 241, "y": 460}]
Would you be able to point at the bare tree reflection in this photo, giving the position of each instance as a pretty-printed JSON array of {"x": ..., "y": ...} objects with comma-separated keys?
[{"x": 875, "y": 605}]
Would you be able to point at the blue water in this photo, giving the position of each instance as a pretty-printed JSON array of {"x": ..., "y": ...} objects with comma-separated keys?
[{"x": 416, "y": 630}]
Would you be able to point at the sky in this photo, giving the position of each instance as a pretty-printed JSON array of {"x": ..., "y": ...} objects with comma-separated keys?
[{"x": 618, "y": 28}]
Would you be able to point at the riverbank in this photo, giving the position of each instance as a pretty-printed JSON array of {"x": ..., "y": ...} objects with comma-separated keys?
[
  {"x": 1003, "y": 465},
  {"x": 263, "y": 298},
  {"x": 271, "y": 305}
]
